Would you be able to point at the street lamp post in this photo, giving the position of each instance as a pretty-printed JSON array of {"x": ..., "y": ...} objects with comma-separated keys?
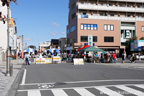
[{"x": 8, "y": 47}]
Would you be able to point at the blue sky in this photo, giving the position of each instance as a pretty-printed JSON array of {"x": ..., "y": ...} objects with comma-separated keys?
[{"x": 40, "y": 20}]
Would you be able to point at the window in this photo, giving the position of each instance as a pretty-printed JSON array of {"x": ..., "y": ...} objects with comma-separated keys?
[
  {"x": 142, "y": 28},
  {"x": 73, "y": 15},
  {"x": 94, "y": 38},
  {"x": 108, "y": 27},
  {"x": 112, "y": 27},
  {"x": 95, "y": 27},
  {"x": 92, "y": 27},
  {"x": 108, "y": 39},
  {"x": 105, "y": 27},
  {"x": 85, "y": 26},
  {"x": 67, "y": 31},
  {"x": 73, "y": 28},
  {"x": 88, "y": 26},
  {"x": 84, "y": 38},
  {"x": 82, "y": 26}
]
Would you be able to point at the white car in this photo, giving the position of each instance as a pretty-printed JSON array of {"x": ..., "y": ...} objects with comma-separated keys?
[{"x": 142, "y": 57}]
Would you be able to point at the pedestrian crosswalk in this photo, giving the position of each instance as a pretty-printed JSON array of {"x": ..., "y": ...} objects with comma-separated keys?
[{"x": 120, "y": 90}]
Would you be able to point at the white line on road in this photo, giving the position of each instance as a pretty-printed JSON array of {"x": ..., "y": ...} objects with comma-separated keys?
[
  {"x": 88, "y": 81},
  {"x": 34, "y": 93},
  {"x": 59, "y": 92},
  {"x": 107, "y": 91},
  {"x": 83, "y": 92},
  {"x": 82, "y": 87},
  {"x": 24, "y": 77},
  {"x": 130, "y": 90}
]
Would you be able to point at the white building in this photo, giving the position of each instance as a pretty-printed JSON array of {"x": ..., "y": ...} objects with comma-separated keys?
[
  {"x": 19, "y": 44},
  {"x": 4, "y": 35},
  {"x": 44, "y": 46}
]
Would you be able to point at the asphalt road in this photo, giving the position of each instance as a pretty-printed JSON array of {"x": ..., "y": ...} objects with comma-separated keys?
[{"x": 81, "y": 80}]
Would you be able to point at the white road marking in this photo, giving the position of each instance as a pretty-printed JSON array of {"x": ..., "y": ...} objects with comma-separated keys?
[
  {"x": 140, "y": 86},
  {"x": 88, "y": 81},
  {"x": 83, "y": 87},
  {"x": 24, "y": 77},
  {"x": 130, "y": 90},
  {"x": 107, "y": 91},
  {"x": 34, "y": 93},
  {"x": 58, "y": 92},
  {"x": 83, "y": 92}
]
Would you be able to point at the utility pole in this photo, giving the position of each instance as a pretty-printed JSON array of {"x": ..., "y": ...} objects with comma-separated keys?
[{"x": 8, "y": 47}]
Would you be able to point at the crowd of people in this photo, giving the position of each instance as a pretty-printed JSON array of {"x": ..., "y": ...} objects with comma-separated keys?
[{"x": 96, "y": 57}]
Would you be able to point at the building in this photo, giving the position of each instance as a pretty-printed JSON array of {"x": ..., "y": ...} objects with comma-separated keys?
[
  {"x": 4, "y": 33},
  {"x": 54, "y": 43},
  {"x": 44, "y": 46},
  {"x": 62, "y": 44},
  {"x": 19, "y": 43},
  {"x": 109, "y": 22}
]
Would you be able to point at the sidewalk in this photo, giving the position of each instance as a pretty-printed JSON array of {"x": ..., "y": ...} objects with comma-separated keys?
[{"x": 6, "y": 82}]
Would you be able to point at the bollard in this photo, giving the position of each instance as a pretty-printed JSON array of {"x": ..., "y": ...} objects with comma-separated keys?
[{"x": 11, "y": 69}]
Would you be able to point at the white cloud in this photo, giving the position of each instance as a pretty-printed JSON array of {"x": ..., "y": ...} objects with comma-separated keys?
[
  {"x": 54, "y": 33},
  {"x": 63, "y": 33},
  {"x": 27, "y": 39},
  {"x": 55, "y": 24}
]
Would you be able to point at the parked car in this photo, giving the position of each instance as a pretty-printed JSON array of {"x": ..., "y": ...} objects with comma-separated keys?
[{"x": 142, "y": 57}]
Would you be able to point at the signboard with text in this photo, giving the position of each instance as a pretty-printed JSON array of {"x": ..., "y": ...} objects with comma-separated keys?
[{"x": 90, "y": 40}]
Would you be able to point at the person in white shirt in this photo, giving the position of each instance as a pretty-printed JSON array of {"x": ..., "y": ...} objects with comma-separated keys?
[{"x": 27, "y": 56}]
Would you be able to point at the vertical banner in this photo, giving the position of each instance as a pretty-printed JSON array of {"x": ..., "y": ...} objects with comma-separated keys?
[
  {"x": 90, "y": 40},
  {"x": 11, "y": 22}
]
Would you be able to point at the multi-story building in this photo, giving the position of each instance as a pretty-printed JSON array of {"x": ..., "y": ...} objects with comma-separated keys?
[
  {"x": 62, "y": 44},
  {"x": 44, "y": 46},
  {"x": 109, "y": 22}
]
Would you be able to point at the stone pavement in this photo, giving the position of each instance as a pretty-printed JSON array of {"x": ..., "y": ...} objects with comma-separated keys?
[{"x": 6, "y": 82}]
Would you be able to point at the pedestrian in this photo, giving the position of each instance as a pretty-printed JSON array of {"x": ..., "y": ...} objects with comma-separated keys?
[
  {"x": 96, "y": 57},
  {"x": 139, "y": 56},
  {"x": 27, "y": 56},
  {"x": 114, "y": 57},
  {"x": 123, "y": 57},
  {"x": 132, "y": 58}
]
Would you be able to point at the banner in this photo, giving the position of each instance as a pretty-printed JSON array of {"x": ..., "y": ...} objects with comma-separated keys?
[
  {"x": 11, "y": 22},
  {"x": 78, "y": 61}
]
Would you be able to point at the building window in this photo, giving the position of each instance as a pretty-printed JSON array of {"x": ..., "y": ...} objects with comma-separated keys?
[
  {"x": 82, "y": 26},
  {"x": 88, "y": 26},
  {"x": 73, "y": 15},
  {"x": 94, "y": 38},
  {"x": 67, "y": 31},
  {"x": 84, "y": 38},
  {"x": 108, "y": 39},
  {"x": 142, "y": 28},
  {"x": 73, "y": 28},
  {"x": 108, "y": 27}
]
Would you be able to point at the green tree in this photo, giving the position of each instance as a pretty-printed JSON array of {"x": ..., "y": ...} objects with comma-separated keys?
[{"x": 127, "y": 45}]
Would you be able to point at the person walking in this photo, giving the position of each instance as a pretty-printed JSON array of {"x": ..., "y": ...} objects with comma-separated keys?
[
  {"x": 123, "y": 57},
  {"x": 114, "y": 57},
  {"x": 27, "y": 56}
]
